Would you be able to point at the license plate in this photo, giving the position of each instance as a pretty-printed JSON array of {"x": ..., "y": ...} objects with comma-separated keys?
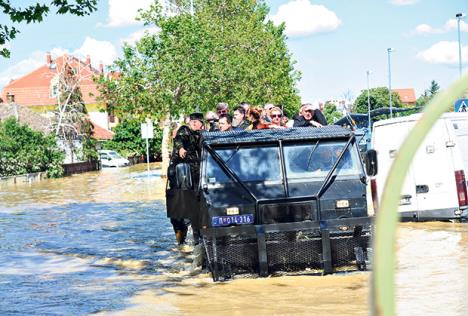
[{"x": 232, "y": 220}]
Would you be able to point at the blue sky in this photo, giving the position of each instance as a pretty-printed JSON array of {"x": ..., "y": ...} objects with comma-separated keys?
[{"x": 333, "y": 41}]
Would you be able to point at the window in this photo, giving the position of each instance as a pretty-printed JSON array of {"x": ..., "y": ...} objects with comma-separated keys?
[
  {"x": 315, "y": 161},
  {"x": 54, "y": 88},
  {"x": 302, "y": 161},
  {"x": 249, "y": 164}
]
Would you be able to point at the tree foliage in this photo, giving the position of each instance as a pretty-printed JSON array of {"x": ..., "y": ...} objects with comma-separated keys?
[
  {"x": 23, "y": 150},
  {"x": 226, "y": 52},
  {"x": 35, "y": 13},
  {"x": 428, "y": 94},
  {"x": 331, "y": 113},
  {"x": 70, "y": 122},
  {"x": 128, "y": 142},
  {"x": 379, "y": 98}
]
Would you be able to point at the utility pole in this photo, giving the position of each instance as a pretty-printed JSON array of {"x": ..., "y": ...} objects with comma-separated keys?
[
  {"x": 459, "y": 16},
  {"x": 368, "y": 72},
  {"x": 389, "y": 50}
]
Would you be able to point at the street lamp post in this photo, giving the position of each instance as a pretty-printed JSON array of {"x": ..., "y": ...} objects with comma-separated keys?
[
  {"x": 389, "y": 50},
  {"x": 459, "y": 17},
  {"x": 368, "y": 72}
]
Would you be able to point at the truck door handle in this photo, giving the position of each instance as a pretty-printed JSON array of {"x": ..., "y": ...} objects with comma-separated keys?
[
  {"x": 405, "y": 199},
  {"x": 422, "y": 189}
]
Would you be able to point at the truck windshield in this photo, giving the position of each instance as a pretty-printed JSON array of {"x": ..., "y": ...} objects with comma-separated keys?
[
  {"x": 249, "y": 164},
  {"x": 308, "y": 161}
]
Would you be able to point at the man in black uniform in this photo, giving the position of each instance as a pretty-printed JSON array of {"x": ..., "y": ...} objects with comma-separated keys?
[{"x": 182, "y": 203}]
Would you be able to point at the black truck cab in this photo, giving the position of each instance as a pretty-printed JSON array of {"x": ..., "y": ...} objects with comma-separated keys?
[{"x": 282, "y": 200}]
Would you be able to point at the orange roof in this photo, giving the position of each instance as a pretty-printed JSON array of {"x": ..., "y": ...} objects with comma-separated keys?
[
  {"x": 406, "y": 95},
  {"x": 100, "y": 133},
  {"x": 34, "y": 88}
]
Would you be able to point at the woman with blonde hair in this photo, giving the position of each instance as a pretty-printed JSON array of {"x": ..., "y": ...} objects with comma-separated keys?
[{"x": 276, "y": 115}]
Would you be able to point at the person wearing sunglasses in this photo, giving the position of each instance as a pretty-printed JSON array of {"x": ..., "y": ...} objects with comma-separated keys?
[
  {"x": 310, "y": 116},
  {"x": 276, "y": 116}
]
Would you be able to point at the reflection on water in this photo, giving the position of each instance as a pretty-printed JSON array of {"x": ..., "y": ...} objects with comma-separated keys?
[{"x": 101, "y": 242}]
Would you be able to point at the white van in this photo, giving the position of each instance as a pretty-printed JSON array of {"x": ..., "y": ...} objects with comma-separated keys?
[
  {"x": 110, "y": 158},
  {"x": 435, "y": 186}
]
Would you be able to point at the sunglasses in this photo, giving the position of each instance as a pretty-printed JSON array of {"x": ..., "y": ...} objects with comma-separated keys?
[
  {"x": 221, "y": 112},
  {"x": 275, "y": 115},
  {"x": 309, "y": 111}
]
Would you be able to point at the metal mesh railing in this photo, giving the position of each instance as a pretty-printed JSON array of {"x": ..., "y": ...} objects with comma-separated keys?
[
  {"x": 343, "y": 249},
  {"x": 232, "y": 254},
  {"x": 293, "y": 251},
  {"x": 287, "y": 251}
]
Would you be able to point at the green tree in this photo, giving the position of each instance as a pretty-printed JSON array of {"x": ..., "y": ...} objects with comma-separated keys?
[
  {"x": 331, "y": 114},
  {"x": 34, "y": 13},
  {"x": 198, "y": 61},
  {"x": 434, "y": 89},
  {"x": 428, "y": 94},
  {"x": 379, "y": 98},
  {"x": 23, "y": 150},
  {"x": 226, "y": 51},
  {"x": 128, "y": 142}
]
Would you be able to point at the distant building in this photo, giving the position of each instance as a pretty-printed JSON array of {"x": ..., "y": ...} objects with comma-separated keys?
[
  {"x": 38, "y": 90},
  {"x": 342, "y": 105},
  {"x": 407, "y": 96}
]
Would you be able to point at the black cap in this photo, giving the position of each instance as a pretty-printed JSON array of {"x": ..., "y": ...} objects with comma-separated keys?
[{"x": 196, "y": 116}]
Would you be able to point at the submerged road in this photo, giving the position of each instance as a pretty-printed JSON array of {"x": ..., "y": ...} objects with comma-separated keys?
[{"x": 100, "y": 242}]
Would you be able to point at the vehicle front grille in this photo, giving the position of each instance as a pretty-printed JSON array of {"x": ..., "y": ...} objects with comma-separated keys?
[{"x": 290, "y": 250}]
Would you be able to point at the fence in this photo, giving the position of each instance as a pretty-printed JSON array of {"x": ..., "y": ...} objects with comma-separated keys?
[{"x": 80, "y": 167}]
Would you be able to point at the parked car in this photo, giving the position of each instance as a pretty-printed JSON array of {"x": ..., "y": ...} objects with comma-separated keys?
[
  {"x": 279, "y": 200},
  {"x": 435, "y": 185},
  {"x": 110, "y": 158}
]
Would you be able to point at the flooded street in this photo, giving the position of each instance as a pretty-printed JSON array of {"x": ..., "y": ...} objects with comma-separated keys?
[{"x": 100, "y": 242}]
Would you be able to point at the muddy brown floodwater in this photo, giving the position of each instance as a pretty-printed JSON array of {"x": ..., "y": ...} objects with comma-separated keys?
[{"x": 100, "y": 242}]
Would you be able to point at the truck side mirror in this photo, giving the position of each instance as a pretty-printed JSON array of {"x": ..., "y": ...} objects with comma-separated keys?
[
  {"x": 183, "y": 176},
  {"x": 371, "y": 162}
]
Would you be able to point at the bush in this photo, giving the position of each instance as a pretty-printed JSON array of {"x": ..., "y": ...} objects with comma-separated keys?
[
  {"x": 23, "y": 150},
  {"x": 128, "y": 142}
]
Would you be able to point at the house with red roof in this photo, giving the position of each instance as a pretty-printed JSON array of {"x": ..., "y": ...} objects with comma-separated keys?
[
  {"x": 38, "y": 90},
  {"x": 407, "y": 96}
]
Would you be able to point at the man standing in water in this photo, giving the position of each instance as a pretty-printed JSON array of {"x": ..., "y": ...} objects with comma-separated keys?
[{"x": 182, "y": 202}]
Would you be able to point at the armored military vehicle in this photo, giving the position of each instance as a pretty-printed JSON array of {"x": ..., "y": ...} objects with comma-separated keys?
[{"x": 282, "y": 200}]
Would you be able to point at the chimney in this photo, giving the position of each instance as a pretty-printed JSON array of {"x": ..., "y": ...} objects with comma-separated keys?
[
  {"x": 101, "y": 67},
  {"x": 48, "y": 58},
  {"x": 88, "y": 60}
]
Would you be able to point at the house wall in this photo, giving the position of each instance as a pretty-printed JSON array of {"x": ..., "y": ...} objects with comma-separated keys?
[{"x": 100, "y": 118}]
